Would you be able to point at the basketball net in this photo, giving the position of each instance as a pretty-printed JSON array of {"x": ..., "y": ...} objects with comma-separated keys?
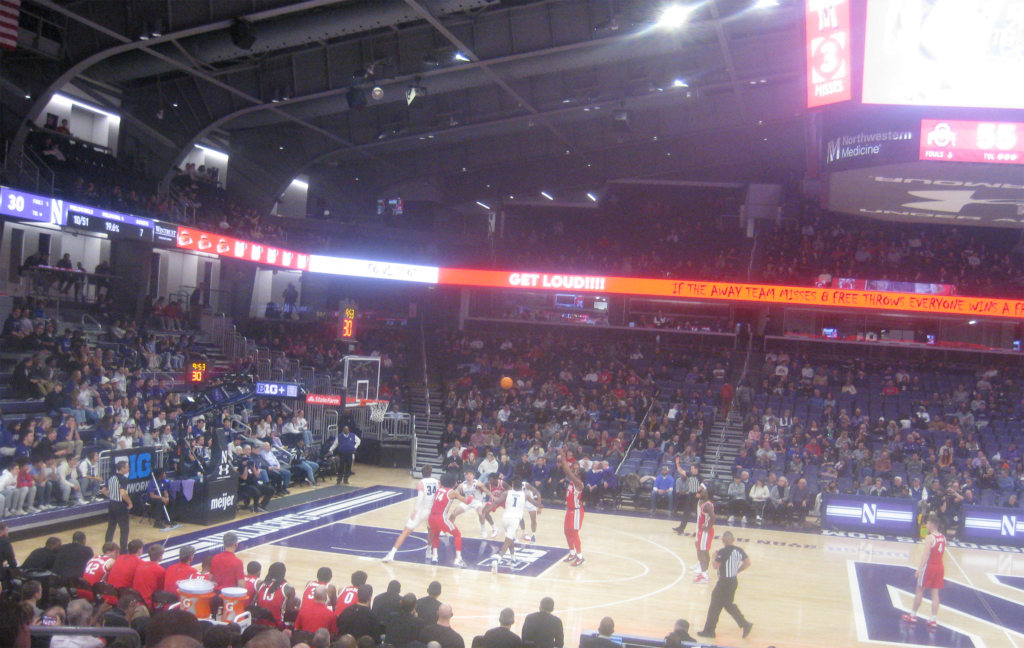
[{"x": 377, "y": 410}]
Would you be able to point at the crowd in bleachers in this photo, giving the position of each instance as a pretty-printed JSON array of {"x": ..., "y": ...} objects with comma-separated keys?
[
  {"x": 819, "y": 247},
  {"x": 597, "y": 400},
  {"x": 943, "y": 436}
]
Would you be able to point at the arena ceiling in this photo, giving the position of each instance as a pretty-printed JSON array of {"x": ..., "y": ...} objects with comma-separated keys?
[{"x": 516, "y": 95}]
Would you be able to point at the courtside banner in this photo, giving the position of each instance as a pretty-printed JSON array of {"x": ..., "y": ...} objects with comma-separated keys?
[{"x": 714, "y": 290}]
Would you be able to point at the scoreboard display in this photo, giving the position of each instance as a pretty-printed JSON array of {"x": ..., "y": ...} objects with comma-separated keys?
[
  {"x": 197, "y": 372},
  {"x": 971, "y": 141}
]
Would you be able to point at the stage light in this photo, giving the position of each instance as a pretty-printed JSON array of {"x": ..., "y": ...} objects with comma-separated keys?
[
  {"x": 592, "y": 196},
  {"x": 377, "y": 93},
  {"x": 483, "y": 205},
  {"x": 461, "y": 58},
  {"x": 674, "y": 16},
  {"x": 679, "y": 83},
  {"x": 973, "y": 322},
  {"x": 546, "y": 195},
  {"x": 766, "y": 4},
  {"x": 158, "y": 29}
]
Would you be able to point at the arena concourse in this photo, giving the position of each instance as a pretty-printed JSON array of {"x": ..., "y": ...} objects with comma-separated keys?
[{"x": 511, "y": 324}]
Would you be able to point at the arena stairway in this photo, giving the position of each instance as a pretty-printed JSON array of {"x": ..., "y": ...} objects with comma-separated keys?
[
  {"x": 723, "y": 447},
  {"x": 427, "y": 436}
]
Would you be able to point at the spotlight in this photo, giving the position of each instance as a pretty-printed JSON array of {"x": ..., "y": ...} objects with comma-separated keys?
[
  {"x": 766, "y": 4},
  {"x": 355, "y": 98},
  {"x": 413, "y": 92},
  {"x": 242, "y": 34},
  {"x": 674, "y": 16},
  {"x": 483, "y": 205},
  {"x": 461, "y": 58},
  {"x": 158, "y": 29},
  {"x": 546, "y": 195},
  {"x": 679, "y": 83},
  {"x": 377, "y": 93},
  {"x": 591, "y": 196},
  {"x": 972, "y": 322}
]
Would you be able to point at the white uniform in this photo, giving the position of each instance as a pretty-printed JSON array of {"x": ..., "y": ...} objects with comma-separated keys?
[
  {"x": 530, "y": 506},
  {"x": 515, "y": 507},
  {"x": 470, "y": 491},
  {"x": 430, "y": 486}
]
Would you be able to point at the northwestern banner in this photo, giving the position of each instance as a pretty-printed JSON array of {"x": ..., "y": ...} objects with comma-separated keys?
[{"x": 870, "y": 514}]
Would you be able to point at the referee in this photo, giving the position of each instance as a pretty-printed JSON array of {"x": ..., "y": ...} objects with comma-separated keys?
[
  {"x": 119, "y": 504},
  {"x": 690, "y": 490},
  {"x": 729, "y": 561}
]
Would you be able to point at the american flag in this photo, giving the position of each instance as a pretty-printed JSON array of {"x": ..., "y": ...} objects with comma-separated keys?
[{"x": 9, "y": 10}]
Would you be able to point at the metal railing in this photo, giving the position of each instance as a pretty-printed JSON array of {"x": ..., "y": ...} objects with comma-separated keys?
[
  {"x": 109, "y": 633},
  {"x": 632, "y": 442},
  {"x": 426, "y": 393},
  {"x": 392, "y": 430}
]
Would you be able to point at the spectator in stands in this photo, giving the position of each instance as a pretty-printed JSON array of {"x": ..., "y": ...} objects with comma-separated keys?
[
  {"x": 71, "y": 558},
  {"x": 427, "y": 606},
  {"x": 542, "y": 628},
  {"x": 79, "y": 615},
  {"x": 664, "y": 488},
  {"x": 441, "y": 631},
  {"x": 404, "y": 627},
  {"x": 42, "y": 559},
  {"x": 502, "y": 636},
  {"x": 737, "y": 503}
]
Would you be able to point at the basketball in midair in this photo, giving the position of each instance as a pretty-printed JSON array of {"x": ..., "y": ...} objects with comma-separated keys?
[{"x": 506, "y": 383}]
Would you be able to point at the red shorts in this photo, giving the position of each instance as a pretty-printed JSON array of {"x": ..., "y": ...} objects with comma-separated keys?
[
  {"x": 704, "y": 538},
  {"x": 573, "y": 519},
  {"x": 934, "y": 577},
  {"x": 440, "y": 524}
]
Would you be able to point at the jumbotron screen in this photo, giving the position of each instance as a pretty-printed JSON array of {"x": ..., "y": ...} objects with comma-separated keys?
[{"x": 960, "y": 53}]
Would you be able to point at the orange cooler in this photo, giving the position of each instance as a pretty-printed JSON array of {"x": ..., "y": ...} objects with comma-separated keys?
[
  {"x": 235, "y": 599},
  {"x": 195, "y": 596}
]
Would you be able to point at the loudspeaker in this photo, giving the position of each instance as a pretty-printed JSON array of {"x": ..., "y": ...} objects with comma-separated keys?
[
  {"x": 621, "y": 121},
  {"x": 242, "y": 33}
]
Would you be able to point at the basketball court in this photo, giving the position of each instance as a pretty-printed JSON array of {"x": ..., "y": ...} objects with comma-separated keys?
[{"x": 804, "y": 589}]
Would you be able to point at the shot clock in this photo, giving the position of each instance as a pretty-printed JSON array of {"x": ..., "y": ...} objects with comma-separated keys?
[
  {"x": 347, "y": 312},
  {"x": 197, "y": 372}
]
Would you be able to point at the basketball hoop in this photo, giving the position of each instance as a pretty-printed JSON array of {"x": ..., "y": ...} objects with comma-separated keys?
[{"x": 377, "y": 410}]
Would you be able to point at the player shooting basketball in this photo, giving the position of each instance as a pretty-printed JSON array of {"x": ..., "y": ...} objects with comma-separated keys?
[
  {"x": 705, "y": 533},
  {"x": 573, "y": 509}
]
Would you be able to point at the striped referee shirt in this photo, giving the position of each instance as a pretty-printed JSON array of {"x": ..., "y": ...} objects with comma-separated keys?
[
  {"x": 693, "y": 484},
  {"x": 729, "y": 558},
  {"x": 116, "y": 482}
]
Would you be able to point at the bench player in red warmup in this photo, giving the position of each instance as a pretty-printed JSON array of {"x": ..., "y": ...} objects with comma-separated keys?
[
  {"x": 573, "y": 510},
  {"x": 931, "y": 574},
  {"x": 440, "y": 518}
]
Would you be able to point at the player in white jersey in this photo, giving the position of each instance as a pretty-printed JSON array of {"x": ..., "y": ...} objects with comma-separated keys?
[
  {"x": 515, "y": 501},
  {"x": 474, "y": 490},
  {"x": 426, "y": 489}
]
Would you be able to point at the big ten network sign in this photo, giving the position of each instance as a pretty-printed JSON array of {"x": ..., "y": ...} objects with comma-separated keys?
[{"x": 140, "y": 467}]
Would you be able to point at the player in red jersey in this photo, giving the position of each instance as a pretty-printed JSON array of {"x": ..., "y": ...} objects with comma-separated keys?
[
  {"x": 440, "y": 518},
  {"x": 252, "y": 578},
  {"x": 98, "y": 567},
  {"x": 931, "y": 575},
  {"x": 181, "y": 570},
  {"x": 573, "y": 509},
  {"x": 350, "y": 595},
  {"x": 323, "y": 578},
  {"x": 275, "y": 592},
  {"x": 705, "y": 533}
]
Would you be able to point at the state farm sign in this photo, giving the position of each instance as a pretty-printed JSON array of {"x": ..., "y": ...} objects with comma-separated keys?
[{"x": 323, "y": 399}]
